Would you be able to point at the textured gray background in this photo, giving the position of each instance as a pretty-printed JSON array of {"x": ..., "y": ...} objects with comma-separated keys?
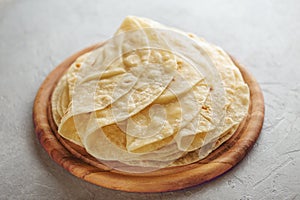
[{"x": 37, "y": 35}]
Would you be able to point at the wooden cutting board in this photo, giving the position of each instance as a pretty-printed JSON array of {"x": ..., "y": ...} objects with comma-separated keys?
[{"x": 78, "y": 162}]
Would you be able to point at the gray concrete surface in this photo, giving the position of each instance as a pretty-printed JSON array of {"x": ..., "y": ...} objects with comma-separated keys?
[{"x": 37, "y": 35}]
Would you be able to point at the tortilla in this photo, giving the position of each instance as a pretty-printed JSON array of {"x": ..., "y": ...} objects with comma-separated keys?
[{"x": 152, "y": 96}]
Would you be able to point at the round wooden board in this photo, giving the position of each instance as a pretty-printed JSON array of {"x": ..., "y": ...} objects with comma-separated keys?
[{"x": 76, "y": 160}]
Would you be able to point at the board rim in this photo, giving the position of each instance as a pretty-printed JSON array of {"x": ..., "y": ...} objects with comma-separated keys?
[{"x": 176, "y": 178}]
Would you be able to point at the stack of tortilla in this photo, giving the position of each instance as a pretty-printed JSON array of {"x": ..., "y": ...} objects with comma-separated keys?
[{"x": 151, "y": 96}]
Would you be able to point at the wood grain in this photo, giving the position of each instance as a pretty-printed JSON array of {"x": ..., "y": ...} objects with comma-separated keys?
[{"x": 78, "y": 162}]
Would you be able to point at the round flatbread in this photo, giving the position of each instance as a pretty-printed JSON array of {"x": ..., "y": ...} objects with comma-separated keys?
[{"x": 152, "y": 96}]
